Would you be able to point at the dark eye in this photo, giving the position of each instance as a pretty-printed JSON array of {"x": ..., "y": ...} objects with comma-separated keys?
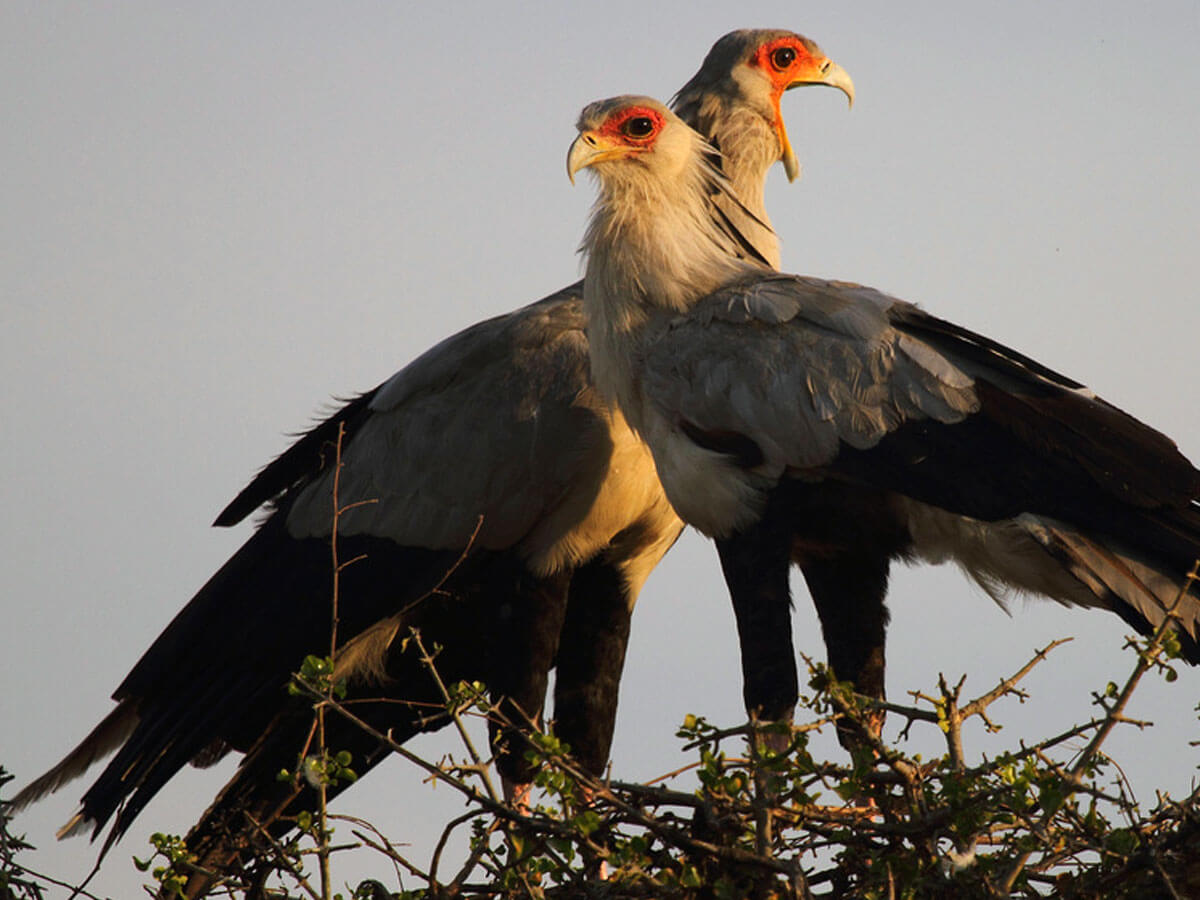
[
  {"x": 638, "y": 127},
  {"x": 783, "y": 57}
]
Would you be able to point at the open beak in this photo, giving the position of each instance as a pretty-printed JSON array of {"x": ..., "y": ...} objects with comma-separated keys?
[
  {"x": 823, "y": 71},
  {"x": 590, "y": 148}
]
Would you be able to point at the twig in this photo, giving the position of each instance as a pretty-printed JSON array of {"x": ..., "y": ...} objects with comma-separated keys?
[
  {"x": 387, "y": 848},
  {"x": 441, "y": 844},
  {"x": 281, "y": 858},
  {"x": 452, "y": 709},
  {"x": 745, "y": 730},
  {"x": 76, "y": 890}
]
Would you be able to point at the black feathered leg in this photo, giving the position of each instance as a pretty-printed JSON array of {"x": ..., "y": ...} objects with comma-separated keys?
[
  {"x": 531, "y": 623},
  {"x": 591, "y": 656},
  {"x": 756, "y": 563},
  {"x": 849, "y": 592},
  {"x": 844, "y": 541}
]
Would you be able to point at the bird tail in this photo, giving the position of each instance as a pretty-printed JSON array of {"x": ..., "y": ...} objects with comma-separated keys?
[
  {"x": 249, "y": 813},
  {"x": 1039, "y": 556},
  {"x": 388, "y": 690},
  {"x": 1141, "y": 591},
  {"x": 238, "y": 834},
  {"x": 106, "y": 737}
]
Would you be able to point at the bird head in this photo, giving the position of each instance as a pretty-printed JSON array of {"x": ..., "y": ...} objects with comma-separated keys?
[
  {"x": 751, "y": 69},
  {"x": 630, "y": 129},
  {"x": 658, "y": 224}
]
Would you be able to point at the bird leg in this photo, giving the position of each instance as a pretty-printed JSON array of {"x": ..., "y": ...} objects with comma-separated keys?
[
  {"x": 591, "y": 656},
  {"x": 849, "y": 592},
  {"x": 531, "y": 622},
  {"x": 844, "y": 539},
  {"x": 755, "y": 562}
]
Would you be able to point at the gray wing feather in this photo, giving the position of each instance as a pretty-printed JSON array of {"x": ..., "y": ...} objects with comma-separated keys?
[
  {"x": 496, "y": 422},
  {"x": 801, "y": 366}
]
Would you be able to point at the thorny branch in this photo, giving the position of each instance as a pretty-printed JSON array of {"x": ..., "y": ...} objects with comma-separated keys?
[{"x": 1029, "y": 822}]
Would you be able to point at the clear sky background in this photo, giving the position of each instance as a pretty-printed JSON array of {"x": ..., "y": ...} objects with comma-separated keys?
[{"x": 217, "y": 216}]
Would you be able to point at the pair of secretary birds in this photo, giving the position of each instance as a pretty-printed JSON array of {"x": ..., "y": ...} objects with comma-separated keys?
[
  {"x": 510, "y": 516},
  {"x": 792, "y": 419}
]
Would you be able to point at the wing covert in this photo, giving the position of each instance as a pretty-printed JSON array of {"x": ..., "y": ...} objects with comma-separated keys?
[
  {"x": 474, "y": 427},
  {"x": 801, "y": 367}
]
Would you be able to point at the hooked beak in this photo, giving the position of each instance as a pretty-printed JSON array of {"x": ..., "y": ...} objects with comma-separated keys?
[
  {"x": 823, "y": 71},
  {"x": 826, "y": 72},
  {"x": 590, "y": 148}
]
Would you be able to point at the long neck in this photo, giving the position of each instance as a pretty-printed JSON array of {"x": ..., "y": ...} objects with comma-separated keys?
[
  {"x": 655, "y": 246},
  {"x": 656, "y": 241},
  {"x": 749, "y": 146}
]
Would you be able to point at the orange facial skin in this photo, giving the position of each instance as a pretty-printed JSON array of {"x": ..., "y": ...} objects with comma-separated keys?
[
  {"x": 638, "y": 125},
  {"x": 788, "y": 62}
]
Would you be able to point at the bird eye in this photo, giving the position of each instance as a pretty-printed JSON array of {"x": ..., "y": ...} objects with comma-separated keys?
[
  {"x": 638, "y": 127},
  {"x": 783, "y": 57}
]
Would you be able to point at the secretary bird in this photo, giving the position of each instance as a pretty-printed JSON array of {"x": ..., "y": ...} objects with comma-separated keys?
[
  {"x": 496, "y": 478},
  {"x": 826, "y": 424}
]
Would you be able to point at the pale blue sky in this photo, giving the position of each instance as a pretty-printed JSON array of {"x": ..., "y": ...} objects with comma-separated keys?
[{"x": 216, "y": 216}]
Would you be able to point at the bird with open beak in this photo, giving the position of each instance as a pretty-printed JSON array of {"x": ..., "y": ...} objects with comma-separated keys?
[
  {"x": 735, "y": 101},
  {"x": 489, "y": 472}
]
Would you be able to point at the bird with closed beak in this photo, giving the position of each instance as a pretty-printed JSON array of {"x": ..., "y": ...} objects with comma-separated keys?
[{"x": 826, "y": 424}]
